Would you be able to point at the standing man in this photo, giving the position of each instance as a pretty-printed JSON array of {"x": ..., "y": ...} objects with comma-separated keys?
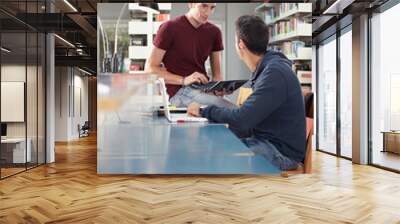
[
  {"x": 272, "y": 120},
  {"x": 181, "y": 48}
]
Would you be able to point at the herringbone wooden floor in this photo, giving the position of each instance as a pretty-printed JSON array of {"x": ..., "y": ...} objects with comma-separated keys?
[{"x": 70, "y": 191}]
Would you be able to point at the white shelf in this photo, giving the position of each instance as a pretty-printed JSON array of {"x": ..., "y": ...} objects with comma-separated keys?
[
  {"x": 139, "y": 52},
  {"x": 303, "y": 54},
  {"x": 303, "y": 30},
  {"x": 264, "y": 6},
  {"x": 147, "y": 28},
  {"x": 136, "y": 72},
  {"x": 142, "y": 27},
  {"x": 137, "y": 27},
  {"x": 302, "y": 8}
]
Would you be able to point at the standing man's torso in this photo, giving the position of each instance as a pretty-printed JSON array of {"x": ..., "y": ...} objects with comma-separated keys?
[{"x": 187, "y": 48}]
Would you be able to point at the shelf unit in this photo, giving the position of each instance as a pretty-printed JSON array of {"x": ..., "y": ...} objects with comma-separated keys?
[
  {"x": 142, "y": 29},
  {"x": 302, "y": 31},
  {"x": 303, "y": 54},
  {"x": 291, "y": 34},
  {"x": 300, "y": 9},
  {"x": 264, "y": 6}
]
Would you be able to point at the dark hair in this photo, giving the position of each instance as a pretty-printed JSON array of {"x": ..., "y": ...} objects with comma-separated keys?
[{"x": 254, "y": 33}]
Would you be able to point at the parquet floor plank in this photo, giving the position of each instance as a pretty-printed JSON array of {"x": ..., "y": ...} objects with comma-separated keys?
[{"x": 70, "y": 191}]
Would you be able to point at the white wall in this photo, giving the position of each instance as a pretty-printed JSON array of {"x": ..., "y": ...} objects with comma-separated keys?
[
  {"x": 70, "y": 83},
  {"x": 12, "y": 73}
]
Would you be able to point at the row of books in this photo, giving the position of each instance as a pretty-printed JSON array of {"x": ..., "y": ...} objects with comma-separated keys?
[
  {"x": 162, "y": 17},
  {"x": 137, "y": 64},
  {"x": 289, "y": 48},
  {"x": 284, "y": 27},
  {"x": 278, "y": 10},
  {"x": 139, "y": 40}
]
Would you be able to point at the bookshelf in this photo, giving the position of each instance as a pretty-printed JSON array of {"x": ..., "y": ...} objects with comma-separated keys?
[
  {"x": 142, "y": 28},
  {"x": 299, "y": 9},
  {"x": 291, "y": 34},
  {"x": 264, "y": 6}
]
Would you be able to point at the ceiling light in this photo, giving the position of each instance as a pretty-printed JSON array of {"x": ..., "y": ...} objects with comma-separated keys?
[
  {"x": 64, "y": 40},
  {"x": 5, "y": 50},
  {"x": 70, "y": 5},
  {"x": 337, "y": 7}
]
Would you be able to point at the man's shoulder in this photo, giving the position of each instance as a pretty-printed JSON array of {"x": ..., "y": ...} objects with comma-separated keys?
[
  {"x": 177, "y": 20},
  {"x": 212, "y": 27},
  {"x": 172, "y": 22}
]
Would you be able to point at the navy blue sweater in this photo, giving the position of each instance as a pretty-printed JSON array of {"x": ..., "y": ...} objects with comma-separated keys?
[{"x": 273, "y": 112}]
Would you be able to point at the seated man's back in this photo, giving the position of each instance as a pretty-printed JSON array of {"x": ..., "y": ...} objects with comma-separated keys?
[
  {"x": 274, "y": 112},
  {"x": 272, "y": 118}
]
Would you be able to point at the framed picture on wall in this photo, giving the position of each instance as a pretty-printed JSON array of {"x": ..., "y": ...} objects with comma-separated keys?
[{"x": 12, "y": 101}]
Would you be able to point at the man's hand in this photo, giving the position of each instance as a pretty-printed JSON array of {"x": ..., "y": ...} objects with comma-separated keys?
[
  {"x": 195, "y": 77},
  {"x": 194, "y": 110}
]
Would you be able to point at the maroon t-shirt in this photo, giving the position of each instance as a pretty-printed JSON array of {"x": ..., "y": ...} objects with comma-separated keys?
[{"x": 187, "y": 48}]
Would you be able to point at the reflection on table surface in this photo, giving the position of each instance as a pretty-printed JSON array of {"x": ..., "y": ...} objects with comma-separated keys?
[{"x": 154, "y": 146}]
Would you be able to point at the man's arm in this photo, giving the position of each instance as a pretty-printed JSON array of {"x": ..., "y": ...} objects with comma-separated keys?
[
  {"x": 153, "y": 66},
  {"x": 215, "y": 61},
  {"x": 271, "y": 92}
]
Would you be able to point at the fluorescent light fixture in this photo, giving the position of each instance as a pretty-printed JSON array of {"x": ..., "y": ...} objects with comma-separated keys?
[
  {"x": 5, "y": 50},
  {"x": 65, "y": 41},
  {"x": 338, "y": 6},
  {"x": 86, "y": 72},
  {"x": 70, "y": 5}
]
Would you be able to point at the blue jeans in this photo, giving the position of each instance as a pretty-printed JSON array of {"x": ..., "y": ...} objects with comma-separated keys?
[
  {"x": 270, "y": 153},
  {"x": 187, "y": 95}
]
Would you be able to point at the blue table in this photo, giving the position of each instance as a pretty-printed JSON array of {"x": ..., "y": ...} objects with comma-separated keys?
[{"x": 154, "y": 146}]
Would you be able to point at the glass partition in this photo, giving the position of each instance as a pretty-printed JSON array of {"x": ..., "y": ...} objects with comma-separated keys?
[
  {"x": 41, "y": 97},
  {"x": 14, "y": 153},
  {"x": 22, "y": 67},
  {"x": 31, "y": 97},
  {"x": 346, "y": 93},
  {"x": 385, "y": 89},
  {"x": 327, "y": 96}
]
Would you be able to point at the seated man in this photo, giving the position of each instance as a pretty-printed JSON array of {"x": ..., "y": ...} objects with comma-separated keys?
[{"x": 272, "y": 119}]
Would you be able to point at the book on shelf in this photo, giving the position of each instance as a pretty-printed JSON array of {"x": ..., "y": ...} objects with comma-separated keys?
[
  {"x": 139, "y": 40},
  {"x": 162, "y": 17},
  {"x": 283, "y": 10},
  {"x": 305, "y": 77},
  {"x": 137, "y": 64},
  {"x": 285, "y": 27},
  {"x": 294, "y": 50}
]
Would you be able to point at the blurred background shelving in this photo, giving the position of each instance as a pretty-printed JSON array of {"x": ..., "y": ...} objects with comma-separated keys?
[
  {"x": 290, "y": 32},
  {"x": 142, "y": 29}
]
